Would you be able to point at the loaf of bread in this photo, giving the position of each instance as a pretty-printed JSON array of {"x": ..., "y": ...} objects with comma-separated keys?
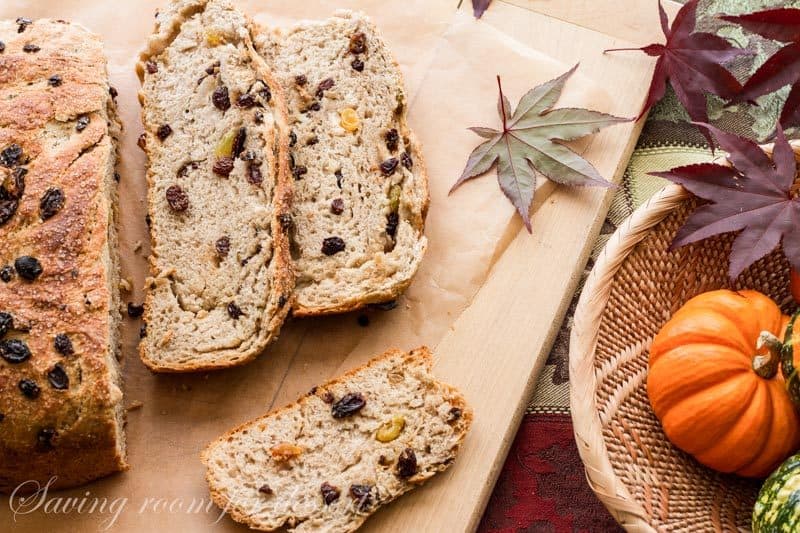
[
  {"x": 361, "y": 190},
  {"x": 61, "y": 410},
  {"x": 219, "y": 191},
  {"x": 331, "y": 459}
]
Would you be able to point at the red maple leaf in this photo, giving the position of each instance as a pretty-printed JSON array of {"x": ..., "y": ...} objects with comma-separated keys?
[
  {"x": 757, "y": 196},
  {"x": 781, "y": 69},
  {"x": 479, "y": 7},
  {"x": 692, "y": 61}
]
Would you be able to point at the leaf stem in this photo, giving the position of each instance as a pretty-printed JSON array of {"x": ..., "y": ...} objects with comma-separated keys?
[
  {"x": 502, "y": 104},
  {"x": 621, "y": 50}
]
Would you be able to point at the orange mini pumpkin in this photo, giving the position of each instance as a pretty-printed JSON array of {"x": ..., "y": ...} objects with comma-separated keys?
[{"x": 717, "y": 391}]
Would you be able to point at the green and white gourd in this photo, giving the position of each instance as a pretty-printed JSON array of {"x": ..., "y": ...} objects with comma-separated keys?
[{"x": 777, "y": 509}]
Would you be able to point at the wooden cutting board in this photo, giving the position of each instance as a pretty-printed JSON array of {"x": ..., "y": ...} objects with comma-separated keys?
[
  {"x": 531, "y": 286},
  {"x": 494, "y": 348}
]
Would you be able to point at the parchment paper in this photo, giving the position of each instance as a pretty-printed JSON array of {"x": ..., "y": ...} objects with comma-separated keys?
[{"x": 450, "y": 62}]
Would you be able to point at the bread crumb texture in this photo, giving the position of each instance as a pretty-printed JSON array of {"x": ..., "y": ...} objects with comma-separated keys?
[
  {"x": 216, "y": 139},
  {"x": 328, "y": 461},
  {"x": 361, "y": 191}
]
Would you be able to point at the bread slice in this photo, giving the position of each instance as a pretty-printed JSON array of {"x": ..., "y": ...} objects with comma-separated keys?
[
  {"x": 331, "y": 459},
  {"x": 219, "y": 191},
  {"x": 61, "y": 410},
  {"x": 361, "y": 190}
]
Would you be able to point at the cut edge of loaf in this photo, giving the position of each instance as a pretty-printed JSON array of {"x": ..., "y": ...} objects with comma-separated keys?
[
  {"x": 421, "y": 357},
  {"x": 267, "y": 37},
  {"x": 116, "y": 355},
  {"x": 281, "y": 297}
]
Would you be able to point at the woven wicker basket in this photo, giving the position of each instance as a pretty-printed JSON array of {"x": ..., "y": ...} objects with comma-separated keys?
[{"x": 636, "y": 285}]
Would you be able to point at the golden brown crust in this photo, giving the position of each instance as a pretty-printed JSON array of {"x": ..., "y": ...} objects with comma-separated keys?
[
  {"x": 422, "y": 174},
  {"x": 283, "y": 277},
  {"x": 353, "y": 304},
  {"x": 165, "y": 29},
  {"x": 282, "y": 296},
  {"x": 67, "y": 465},
  {"x": 74, "y": 294},
  {"x": 418, "y": 357}
]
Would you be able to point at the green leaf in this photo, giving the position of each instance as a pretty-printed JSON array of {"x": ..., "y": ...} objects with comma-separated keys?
[
  {"x": 526, "y": 147},
  {"x": 541, "y": 98},
  {"x": 486, "y": 133}
]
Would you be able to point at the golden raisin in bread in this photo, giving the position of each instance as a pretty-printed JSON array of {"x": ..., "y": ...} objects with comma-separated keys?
[
  {"x": 61, "y": 411},
  {"x": 216, "y": 139},
  {"x": 361, "y": 190},
  {"x": 331, "y": 459}
]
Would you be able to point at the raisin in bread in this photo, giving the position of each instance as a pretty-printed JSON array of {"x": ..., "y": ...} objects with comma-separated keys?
[
  {"x": 61, "y": 410},
  {"x": 331, "y": 459},
  {"x": 216, "y": 138},
  {"x": 361, "y": 190}
]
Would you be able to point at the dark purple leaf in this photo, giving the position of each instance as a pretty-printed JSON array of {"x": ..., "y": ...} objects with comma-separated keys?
[
  {"x": 783, "y": 67},
  {"x": 790, "y": 116},
  {"x": 692, "y": 62},
  {"x": 479, "y": 7},
  {"x": 756, "y": 196},
  {"x": 785, "y": 160},
  {"x": 782, "y": 24}
]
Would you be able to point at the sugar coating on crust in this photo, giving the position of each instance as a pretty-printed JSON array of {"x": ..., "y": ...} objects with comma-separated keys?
[
  {"x": 350, "y": 180},
  {"x": 66, "y": 421},
  {"x": 270, "y": 472},
  {"x": 221, "y": 278}
]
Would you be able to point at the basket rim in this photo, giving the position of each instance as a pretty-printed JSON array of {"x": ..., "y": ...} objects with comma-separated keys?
[
  {"x": 611, "y": 491},
  {"x": 587, "y": 428}
]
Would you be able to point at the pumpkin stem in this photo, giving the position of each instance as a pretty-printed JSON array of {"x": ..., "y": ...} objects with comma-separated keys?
[{"x": 766, "y": 365}]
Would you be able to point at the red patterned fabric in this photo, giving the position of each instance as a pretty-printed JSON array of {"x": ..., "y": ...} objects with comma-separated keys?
[{"x": 542, "y": 487}]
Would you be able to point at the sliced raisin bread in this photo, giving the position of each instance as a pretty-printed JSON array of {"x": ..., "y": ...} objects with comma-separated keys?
[
  {"x": 61, "y": 409},
  {"x": 219, "y": 190},
  {"x": 328, "y": 461},
  {"x": 361, "y": 190}
]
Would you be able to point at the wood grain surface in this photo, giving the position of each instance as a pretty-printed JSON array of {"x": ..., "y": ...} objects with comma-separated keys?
[{"x": 499, "y": 345}]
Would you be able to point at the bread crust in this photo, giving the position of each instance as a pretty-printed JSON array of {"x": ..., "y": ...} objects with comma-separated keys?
[
  {"x": 383, "y": 292},
  {"x": 418, "y": 357},
  {"x": 76, "y": 294},
  {"x": 281, "y": 285}
]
